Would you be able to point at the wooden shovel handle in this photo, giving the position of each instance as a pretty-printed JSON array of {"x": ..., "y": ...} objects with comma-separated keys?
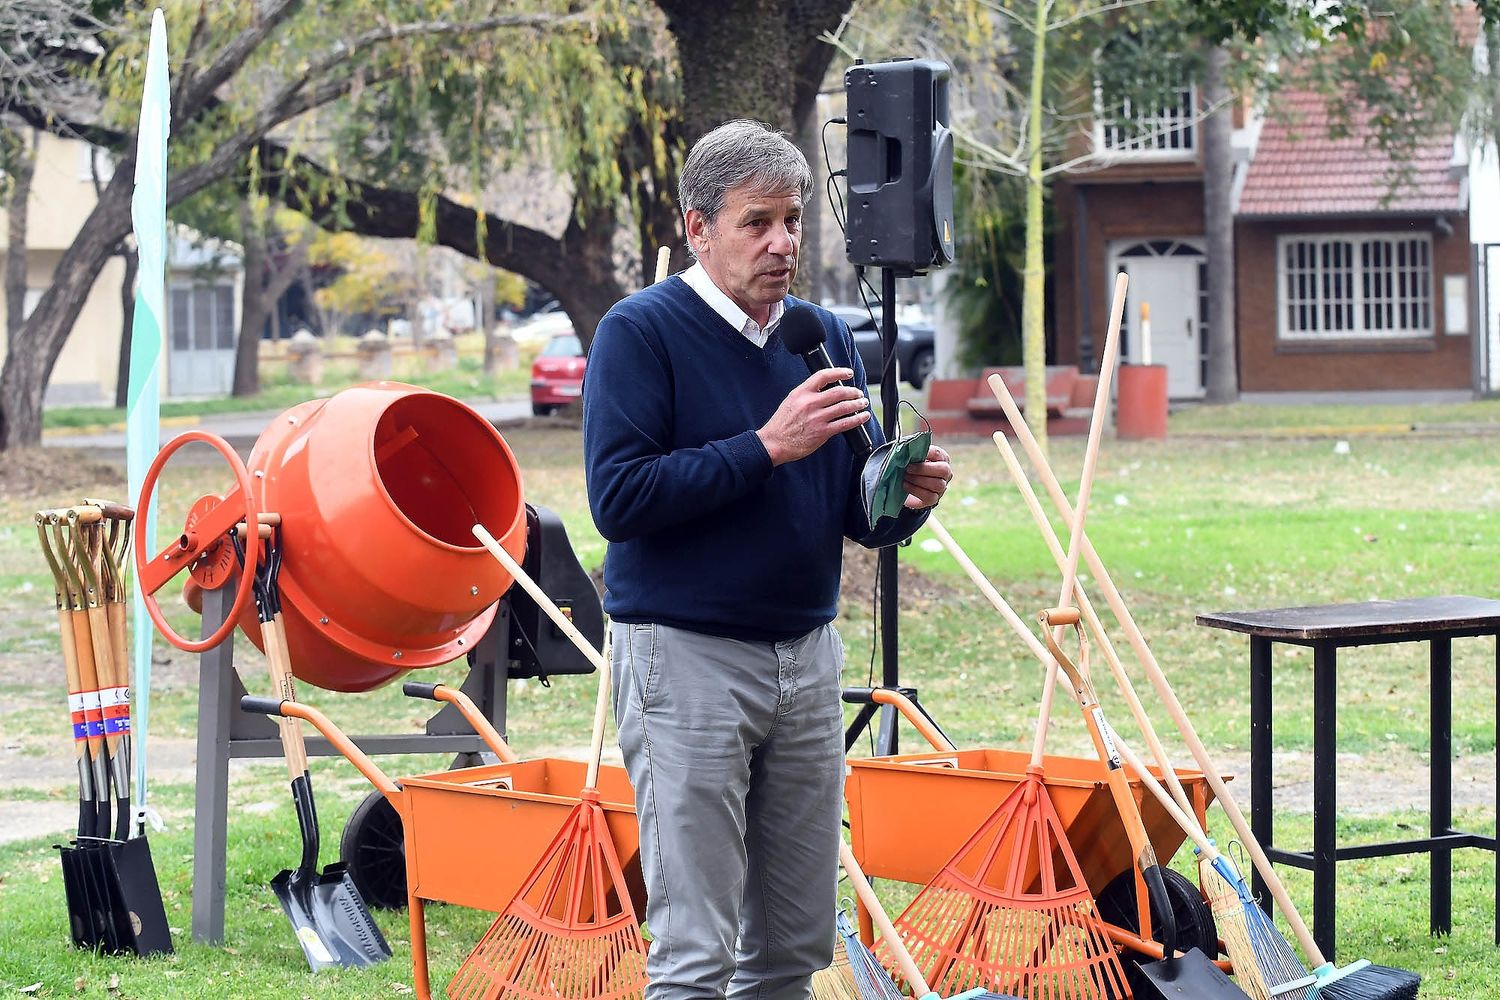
[
  {"x": 284, "y": 688},
  {"x": 601, "y": 702}
]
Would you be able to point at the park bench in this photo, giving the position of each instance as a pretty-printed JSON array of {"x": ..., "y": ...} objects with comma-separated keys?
[{"x": 1069, "y": 393}]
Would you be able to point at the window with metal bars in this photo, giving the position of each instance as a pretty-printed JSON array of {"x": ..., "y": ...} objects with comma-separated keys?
[
  {"x": 1162, "y": 125},
  {"x": 1354, "y": 285}
]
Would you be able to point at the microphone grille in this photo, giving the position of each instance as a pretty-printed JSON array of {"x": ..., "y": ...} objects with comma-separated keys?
[{"x": 801, "y": 330}]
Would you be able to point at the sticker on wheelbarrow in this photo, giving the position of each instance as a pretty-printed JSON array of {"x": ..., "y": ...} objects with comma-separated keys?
[{"x": 1108, "y": 736}]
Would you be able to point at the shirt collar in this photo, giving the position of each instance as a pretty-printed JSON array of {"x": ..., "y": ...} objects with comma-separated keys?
[{"x": 698, "y": 280}]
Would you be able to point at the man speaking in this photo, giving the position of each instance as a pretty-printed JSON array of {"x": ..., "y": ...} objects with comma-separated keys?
[{"x": 719, "y": 472}]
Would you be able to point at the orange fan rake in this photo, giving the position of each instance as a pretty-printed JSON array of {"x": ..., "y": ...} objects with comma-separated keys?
[
  {"x": 571, "y": 932},
  {"x": 1011, "y": 911}
]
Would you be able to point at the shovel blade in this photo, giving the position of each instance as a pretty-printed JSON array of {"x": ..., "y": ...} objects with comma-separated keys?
[
  {"x": 76, "y": 891},
  {"x": 140, "y": 918},
  {"x": 330, "y": 919},
  {"x": 1188, "y": 977}
]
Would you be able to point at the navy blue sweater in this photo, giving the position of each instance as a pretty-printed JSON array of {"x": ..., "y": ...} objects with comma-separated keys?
[{"x": 704, "y": 533}]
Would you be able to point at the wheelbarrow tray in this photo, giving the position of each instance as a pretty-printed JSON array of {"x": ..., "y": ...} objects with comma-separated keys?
[
  {"x": 909, "y": 813},
  {"x": 473, "y": 834}
]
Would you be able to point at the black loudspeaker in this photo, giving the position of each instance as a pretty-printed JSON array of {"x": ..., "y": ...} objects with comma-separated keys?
[{"x": 900, "y": 165}]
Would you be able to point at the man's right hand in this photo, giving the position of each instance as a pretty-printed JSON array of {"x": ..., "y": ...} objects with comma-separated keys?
[{"x": 812, "y": 413}]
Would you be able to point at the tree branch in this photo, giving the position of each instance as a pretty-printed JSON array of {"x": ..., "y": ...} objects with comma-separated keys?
[{"x": 195, "y": 95}]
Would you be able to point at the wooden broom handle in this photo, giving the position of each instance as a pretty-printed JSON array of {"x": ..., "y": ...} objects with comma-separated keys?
[
  {"x": 1164, "y": 691},
  {"x": 663, "y": 262},
  {"x": 882, "y": 921},
  {"x": 1122, "y": 679},
  {"x": 601, "y": 703}
]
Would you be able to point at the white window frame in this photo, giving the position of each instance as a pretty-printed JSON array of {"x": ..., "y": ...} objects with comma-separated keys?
[
  {"x": 1418, "y": 298},
  {"x": 91, "y": 158},
  {"x": 1185, "y": 119}
]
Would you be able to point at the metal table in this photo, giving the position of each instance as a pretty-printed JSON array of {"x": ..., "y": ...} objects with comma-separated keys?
[{"x": 1327, "y": 628}]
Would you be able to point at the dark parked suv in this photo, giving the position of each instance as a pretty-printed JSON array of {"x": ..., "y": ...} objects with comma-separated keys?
[{"x": 913, "y": 345}]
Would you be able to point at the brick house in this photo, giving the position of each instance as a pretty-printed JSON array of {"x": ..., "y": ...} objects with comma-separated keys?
[{"x": 1342, "y": 284}]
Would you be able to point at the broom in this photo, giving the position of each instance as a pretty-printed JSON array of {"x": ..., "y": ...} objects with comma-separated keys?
[
  {"x": 1360, "y": 980},
  {"x": 571, "y": 931},
  {"x": 997, "y": 912},
  {"x": 1260, "y": 955}
]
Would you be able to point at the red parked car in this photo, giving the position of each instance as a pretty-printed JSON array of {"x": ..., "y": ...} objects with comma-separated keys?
[{"x": 557, "y": 374}]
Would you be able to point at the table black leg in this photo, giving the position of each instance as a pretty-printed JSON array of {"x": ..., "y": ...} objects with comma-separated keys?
[
  {"x": 1261, "y": 796},
  {"x": 1325, "y": 794},
  {"x": 1440, "y": 906}
]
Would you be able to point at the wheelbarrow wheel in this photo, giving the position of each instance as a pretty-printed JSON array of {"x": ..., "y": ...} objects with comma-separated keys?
[
  {"x": 373, "y": 848},
  {"x": 1195, "y": 921}
]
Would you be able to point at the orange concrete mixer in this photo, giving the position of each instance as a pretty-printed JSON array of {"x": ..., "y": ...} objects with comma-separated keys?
[{"x": 377, "y": 489}]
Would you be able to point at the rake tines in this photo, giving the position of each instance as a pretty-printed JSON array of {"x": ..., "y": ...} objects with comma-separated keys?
[
  {"x": 571, "y": 933},
  {"x": 1011, "y": 912}
]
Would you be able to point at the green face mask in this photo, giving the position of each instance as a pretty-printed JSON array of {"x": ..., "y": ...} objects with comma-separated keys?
[{"x": 883, "y": 480}]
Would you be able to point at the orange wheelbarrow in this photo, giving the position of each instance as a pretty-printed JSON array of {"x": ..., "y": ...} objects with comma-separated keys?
[
  {"x": 520, "y": 803},
  {"x": 909, "y": 813}
]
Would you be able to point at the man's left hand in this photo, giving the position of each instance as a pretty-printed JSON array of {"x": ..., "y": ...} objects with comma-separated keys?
[{"x": 926, "y": 482}]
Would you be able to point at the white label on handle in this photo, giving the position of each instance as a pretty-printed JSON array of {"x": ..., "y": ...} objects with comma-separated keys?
[{"x": 1107, "y": 735}]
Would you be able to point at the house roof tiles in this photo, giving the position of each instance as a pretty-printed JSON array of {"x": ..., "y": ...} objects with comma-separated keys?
[{"x": 1299, "y": 170}]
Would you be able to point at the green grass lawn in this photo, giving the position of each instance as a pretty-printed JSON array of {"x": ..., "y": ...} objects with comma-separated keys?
[{"x": 1224, "y": 515}]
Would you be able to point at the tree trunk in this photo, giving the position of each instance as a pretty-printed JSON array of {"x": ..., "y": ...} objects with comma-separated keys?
[
  {"x": 252, "y": 304},
  {"x": 132, "y": 259},
  {"x": 760, "y": 59},
  {"x": 810, "y": 249},
  {"x": 33, "y": 352},
  {"x": 1218, "y": 226},
  {"x": 21, "y": 170},
  {"x": 1034, "y": 278}
]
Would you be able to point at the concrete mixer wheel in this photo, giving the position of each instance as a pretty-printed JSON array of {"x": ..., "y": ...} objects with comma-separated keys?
[
  {"x": 374, "y": 850},
  {"x": 154, "y": 572}
]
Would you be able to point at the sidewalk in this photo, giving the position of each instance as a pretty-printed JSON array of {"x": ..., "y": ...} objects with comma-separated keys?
[{"x": 240, "y": 429}]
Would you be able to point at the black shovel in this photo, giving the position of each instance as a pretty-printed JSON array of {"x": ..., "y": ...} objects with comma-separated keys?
[
  {"x": 332, "y": 923},
  {"x": 1189, "y": 976}
]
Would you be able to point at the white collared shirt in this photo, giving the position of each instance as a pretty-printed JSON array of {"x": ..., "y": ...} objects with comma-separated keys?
[{"x": 698, "y": 280}]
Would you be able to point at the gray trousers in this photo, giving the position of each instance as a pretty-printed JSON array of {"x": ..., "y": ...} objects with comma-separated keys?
[{"x": 736, "y": 752}]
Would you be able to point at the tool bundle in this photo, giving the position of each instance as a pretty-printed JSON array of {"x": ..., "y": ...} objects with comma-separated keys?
[{"x": 114, "y": 903}]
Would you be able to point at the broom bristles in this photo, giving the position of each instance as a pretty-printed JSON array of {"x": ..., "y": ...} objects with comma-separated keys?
[
  {"x": 1265, "y": 966},
  {"x": 1363, "y": 981},
  {"x": 836, "y": 982}
]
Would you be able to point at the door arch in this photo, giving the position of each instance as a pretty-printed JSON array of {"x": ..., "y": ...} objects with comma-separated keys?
[{"x": 1171, "y": 276}]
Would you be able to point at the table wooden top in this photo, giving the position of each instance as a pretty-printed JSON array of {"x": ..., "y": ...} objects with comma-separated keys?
[{"x": 1454, "y": 613}]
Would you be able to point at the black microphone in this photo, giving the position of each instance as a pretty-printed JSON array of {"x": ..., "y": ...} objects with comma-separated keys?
[{"x": 802, "y": 333}]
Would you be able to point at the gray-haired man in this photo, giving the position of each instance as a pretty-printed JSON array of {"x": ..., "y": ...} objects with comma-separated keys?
[{"x": 712, "y": 474}]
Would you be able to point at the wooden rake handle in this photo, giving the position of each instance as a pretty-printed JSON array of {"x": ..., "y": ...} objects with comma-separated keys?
[
  {"x": 1164, "y": 690},
  {"x": 1091, "y": 617}
]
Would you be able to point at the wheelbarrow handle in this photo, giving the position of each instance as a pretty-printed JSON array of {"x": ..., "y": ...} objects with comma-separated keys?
[
  {"x": 919, "y": 721},
  {"x": 470, "y": 712},
  {"x": 342, "y": 743}
]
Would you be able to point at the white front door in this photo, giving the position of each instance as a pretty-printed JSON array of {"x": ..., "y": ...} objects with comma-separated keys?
[
  {"x": 1169, "y": 285},
  {"x": 203, "y": 333}
]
